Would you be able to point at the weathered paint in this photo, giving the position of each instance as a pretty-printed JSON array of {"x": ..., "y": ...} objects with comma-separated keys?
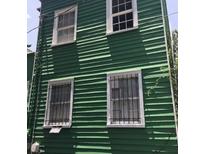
[{"x": 88, "y": 60}]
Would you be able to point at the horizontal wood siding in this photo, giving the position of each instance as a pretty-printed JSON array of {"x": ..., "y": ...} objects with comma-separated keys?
[{"x": 88, "y": 60}]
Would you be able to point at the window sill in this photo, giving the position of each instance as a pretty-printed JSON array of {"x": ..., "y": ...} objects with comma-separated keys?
[
  {"x": 125, "y": 125},
  {"x": 121, "y": 31},
  {"x": 65, "y": 43},
  {"x": 51, "y": 126}
]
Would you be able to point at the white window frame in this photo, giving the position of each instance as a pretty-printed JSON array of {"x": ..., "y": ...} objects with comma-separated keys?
[
  {"x": 109, "y": 15},
  {"x": 55, "y": 26},
  {"x": 47, "y": 110},
  {"x": 141, "y": 102}
]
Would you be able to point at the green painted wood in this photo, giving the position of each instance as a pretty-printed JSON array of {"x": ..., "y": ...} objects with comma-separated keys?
[
  {"x": 30, "y": 63},
  {"x": 88, "y": 60}
]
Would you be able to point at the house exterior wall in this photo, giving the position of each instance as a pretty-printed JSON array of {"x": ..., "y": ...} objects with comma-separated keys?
[
  {"x": 30, "y": 62},
  {"x": 88, "y": 60},
  {"x": 30, "y": 65}
]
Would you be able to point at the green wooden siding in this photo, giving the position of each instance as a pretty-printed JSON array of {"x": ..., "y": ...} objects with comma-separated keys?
[
  {"x": 88, "y": 60},
  {"x": 30, "y": 61}
]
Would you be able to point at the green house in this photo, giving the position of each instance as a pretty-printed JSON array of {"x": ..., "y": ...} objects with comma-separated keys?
[
  {"x": 101, "y": 82},
  {"x": 30, "y": 65}
]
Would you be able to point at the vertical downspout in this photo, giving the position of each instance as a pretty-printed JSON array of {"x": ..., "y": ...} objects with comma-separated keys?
[{"x": 168, "y": 60}]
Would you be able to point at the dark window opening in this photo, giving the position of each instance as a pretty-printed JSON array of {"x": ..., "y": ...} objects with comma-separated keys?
[
  {"x": 58, "y": 107},
  {"x": 124, "y": 99}
]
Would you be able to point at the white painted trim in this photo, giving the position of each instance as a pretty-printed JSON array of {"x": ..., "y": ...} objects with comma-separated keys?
[
  {"x": 76, "y": 23},
  {"x": 55, "y": 25},
  {"x": 135, "y": 13},
  {"x": 67, "y": 27},
  {"x": 61, "y": 79},
  {"x": 109, "y": 15},
  {"x": 121, "y": 31},
  {"x": 64, "y": 43},
  {"x": 108, "y": 100},
  {"x": 123, "y": 12},
  {"x": 49, "y": 91},
  {"x": 126, "y": 126},
  {"x": 141, "y": 100}
]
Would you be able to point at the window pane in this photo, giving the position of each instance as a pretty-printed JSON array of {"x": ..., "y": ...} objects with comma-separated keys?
[
  {"x": 121, "y": 1},
  {"x": 60, "y": 21},
  {"x": 59, "y": 105},
  {"x": 71, "y": 34},
  {"x": 66, "y": 19},
  {"x": 62, "y": 35},
  {"x": 117, "y": 113},
  {"x": 59, "y": 113},
  {"x": 129, "y": 16},
  {"x": 122, "y": 26},
  {"x": 71, "y": 19},
  {"x": 66, "y": 35},
  {"x": 114, "y": 2},
  {"x": 125, "y": 99},
  {"x": 116, "y": 27},
  {"x": 64, "y": 90},
  {"x": 130, "y": 24},
  {"x": 115, "y": 9},
  {"x": 122, "y": 18},
  {"x": 126, "y": 111},
  {"x": 122, "y": 7},
  {"x": 128, "y": 6},
  {"x": 115, "y": 20}
]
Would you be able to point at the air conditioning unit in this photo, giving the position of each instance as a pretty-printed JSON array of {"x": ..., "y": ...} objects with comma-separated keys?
[{"x": 35, "y": 147}]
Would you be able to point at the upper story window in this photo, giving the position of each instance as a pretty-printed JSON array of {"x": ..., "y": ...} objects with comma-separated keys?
[
  {"x": 65, "y": 24},
  {"x": 125, "y": 100},
  {"x": 59, "y": 104},
  {"x": 121, "y": 15}
]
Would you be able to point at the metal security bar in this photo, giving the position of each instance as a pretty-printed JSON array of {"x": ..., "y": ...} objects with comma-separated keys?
[
  {"x": 124, "y": 99},
  {"x": 58, "y": 109}
]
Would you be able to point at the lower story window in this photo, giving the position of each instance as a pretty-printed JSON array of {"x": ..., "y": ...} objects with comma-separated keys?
[
  {"x": 125, "y": 100},
  {"x": 59, "y": 103}
]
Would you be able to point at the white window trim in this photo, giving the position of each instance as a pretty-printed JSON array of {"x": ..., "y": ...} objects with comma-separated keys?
[
  {"x": 58, "y": 81},
  {"x": 142, "y": 117},
  {"x": 55, "y": 25},
  {"x": 109, "y": 18}
]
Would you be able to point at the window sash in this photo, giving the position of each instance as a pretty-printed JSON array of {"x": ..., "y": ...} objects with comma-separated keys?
[
  {"x": 122, "y": 12},
  {"x": 125, "y": 111},
  {"x": 68, "y": 37},
  {"x": 122, "y": 4},
  {"x": 59, "y": 104},
  {"x": 123, "y": 87},
  {"x": 124, "y": 22},
  {"x": 71, "y": 36},
  {"x": 133, "y": 24},
  {"x": 68, "y": 19}
]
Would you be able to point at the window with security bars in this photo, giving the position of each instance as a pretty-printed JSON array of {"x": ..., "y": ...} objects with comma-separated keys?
[
  {"x": 65, "y": 22},
  {"x": 59, "y": 103},
  {"x": 125, "y": 100},
  {"x": 122, "y": 15}
]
